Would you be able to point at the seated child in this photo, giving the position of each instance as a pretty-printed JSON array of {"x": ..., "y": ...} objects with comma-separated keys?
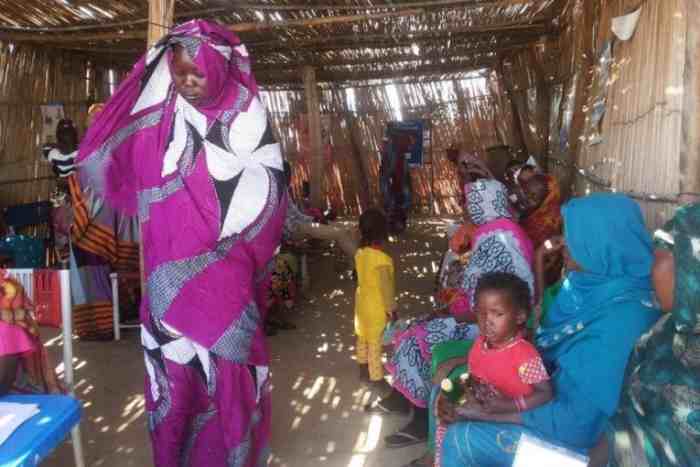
[
  {"x": 506, "y": 372},
  {"x": 375, "y": 299}
]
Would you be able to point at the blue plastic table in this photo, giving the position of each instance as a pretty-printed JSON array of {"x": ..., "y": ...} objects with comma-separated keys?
[{"x": 41, "y": 434}]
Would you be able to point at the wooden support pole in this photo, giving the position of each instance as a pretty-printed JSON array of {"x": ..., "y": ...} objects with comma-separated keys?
[
  {"x": 582, "y": 92},
  {"x": 160, "y": 19},
  {"x": 690, "y": 143},
  {"x": 313, "y": 112}
]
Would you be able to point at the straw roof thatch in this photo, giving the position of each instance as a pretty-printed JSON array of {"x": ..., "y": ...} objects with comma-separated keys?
[
  {"x": 344, "y": 40},
  {"x": 524, "y": 73}
]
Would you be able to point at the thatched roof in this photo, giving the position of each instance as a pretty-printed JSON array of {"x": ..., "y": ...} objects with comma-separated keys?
[{"x": 346, "y": 40}]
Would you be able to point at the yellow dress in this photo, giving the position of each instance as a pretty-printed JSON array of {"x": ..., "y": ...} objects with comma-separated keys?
[{"x": 375, "y": 292}]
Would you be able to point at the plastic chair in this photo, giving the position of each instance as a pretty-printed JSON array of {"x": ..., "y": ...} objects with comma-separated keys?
[
  {"x": 59, "y": 415},
  {"x": 30, "y": 250}
]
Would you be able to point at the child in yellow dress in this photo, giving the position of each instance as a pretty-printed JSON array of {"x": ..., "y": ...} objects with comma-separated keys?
[{"x": 375, "y": 300}]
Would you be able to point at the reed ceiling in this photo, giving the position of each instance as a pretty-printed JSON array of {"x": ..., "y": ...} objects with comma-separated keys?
[{"x": 346, "y": 40}]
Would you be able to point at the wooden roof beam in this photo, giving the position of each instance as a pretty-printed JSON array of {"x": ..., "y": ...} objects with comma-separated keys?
[
  {"x": 366, "y": 40},
  {"x": 240, "y": 27},
  {"x": 336, "y": 77},
  {"x": 393, "y": 59}
]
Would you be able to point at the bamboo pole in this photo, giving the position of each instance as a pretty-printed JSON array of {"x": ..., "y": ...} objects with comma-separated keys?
[
  {"x": 158, "y": 9},
  {"x": 337, "y": 77},
  {"x": 313, "y": 112},
  {"x": 429, "y": 59},
  {"x": 434, "y": 4},
  {"x": 465, "y": 4},
  {"x": 160, "y": 19},
  {"x": 486, "y": 32}
]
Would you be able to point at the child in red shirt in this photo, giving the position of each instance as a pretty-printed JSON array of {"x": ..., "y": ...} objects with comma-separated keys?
[{"x": 506, "y": 371}]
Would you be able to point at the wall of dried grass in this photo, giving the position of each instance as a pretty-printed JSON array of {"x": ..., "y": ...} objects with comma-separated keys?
[
  {"x": 637, "y": 145},
  {"x": 29, "y": 78},
  {"x": 463, "y": 113}
]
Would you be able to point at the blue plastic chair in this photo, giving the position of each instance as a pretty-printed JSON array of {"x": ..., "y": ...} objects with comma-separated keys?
[
  {"x": 59, "y": 415},
  {"x": 39, "y": 436}
]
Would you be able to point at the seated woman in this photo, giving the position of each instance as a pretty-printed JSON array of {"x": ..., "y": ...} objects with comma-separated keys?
[
  {"x": 542, "y": 219},
  {"x": 24, "y": 365},
  {"x": 283, "y": 293},
  {"x": 470, "y": 168},
  {"x": 658, "y": 422},
  {"x": 499, "y": 245},
  {"x": 604, "y": 305},
  {"x": 538, "y": 200}
]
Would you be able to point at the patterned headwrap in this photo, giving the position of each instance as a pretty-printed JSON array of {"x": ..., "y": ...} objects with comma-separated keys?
[{"x": 487, "y": 200}]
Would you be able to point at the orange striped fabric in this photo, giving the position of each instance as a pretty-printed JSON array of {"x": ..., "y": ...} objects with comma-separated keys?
[
  {"x": 99, "y": 239},
  {"x": 93, "y": 321}
]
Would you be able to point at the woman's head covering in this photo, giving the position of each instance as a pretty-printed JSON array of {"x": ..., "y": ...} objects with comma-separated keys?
[
  {"x": 206, "y": 182},
  {"x": 487, "y": 201},
  {"x": 545, "y": 221},
  {"x": 607, "y": 237},
  {"x": 602, "y": 309},
  {"x": 228, "y": 129},
  {"x": 66, "y": 135},
  {"x": 471, "y": 160}
]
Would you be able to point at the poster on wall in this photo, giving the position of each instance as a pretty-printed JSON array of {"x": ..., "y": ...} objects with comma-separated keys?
[
  {"x": 408, "y": 138},
  {"x": 51, "y": 114}
]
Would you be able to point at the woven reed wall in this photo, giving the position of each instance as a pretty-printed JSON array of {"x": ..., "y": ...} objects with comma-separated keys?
[
  {"x": 463, "y": 113},
  {"x": 29, "y": 78},
  {"x": 641, "y": 129}
]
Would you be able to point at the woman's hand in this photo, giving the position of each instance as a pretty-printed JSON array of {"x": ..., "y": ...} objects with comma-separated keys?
[
  {"x": 445, "y": 410},
  {"x": 498, "y": 404},
  {"x": 472, "y": 412},
  {"x": 445, "y": 368}
]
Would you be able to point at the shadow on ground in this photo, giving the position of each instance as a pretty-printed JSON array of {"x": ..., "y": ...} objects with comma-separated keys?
[{"x": 317, "y": 396}]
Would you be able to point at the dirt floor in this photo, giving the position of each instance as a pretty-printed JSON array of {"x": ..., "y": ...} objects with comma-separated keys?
[{"x": 317, "y": 396}]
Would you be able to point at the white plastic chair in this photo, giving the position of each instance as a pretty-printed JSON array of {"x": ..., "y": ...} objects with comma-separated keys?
[{"x": 26, "y": 278}]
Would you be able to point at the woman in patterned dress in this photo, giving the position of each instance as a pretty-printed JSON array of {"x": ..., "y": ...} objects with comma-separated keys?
[{"x": 185, "y": 144}]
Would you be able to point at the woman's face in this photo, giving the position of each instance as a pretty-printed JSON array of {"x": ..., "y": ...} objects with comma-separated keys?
[
  {"x": 525, "y": 175},
  {"x": 189, "y": 80}
]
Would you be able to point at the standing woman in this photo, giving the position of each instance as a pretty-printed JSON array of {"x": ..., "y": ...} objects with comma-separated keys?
[
  {"x": 185, "y": 144},
  {"x": 395, "y": 182}
]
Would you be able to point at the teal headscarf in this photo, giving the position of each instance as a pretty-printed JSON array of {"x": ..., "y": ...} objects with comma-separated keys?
[
  {"x": 606, "y": 236},
  {"x": 658, "y": 422},
  {"x": 600, "y": 312}
]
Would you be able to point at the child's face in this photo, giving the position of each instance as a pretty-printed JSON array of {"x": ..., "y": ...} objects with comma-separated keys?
[{"x": 499, "y": 319}]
